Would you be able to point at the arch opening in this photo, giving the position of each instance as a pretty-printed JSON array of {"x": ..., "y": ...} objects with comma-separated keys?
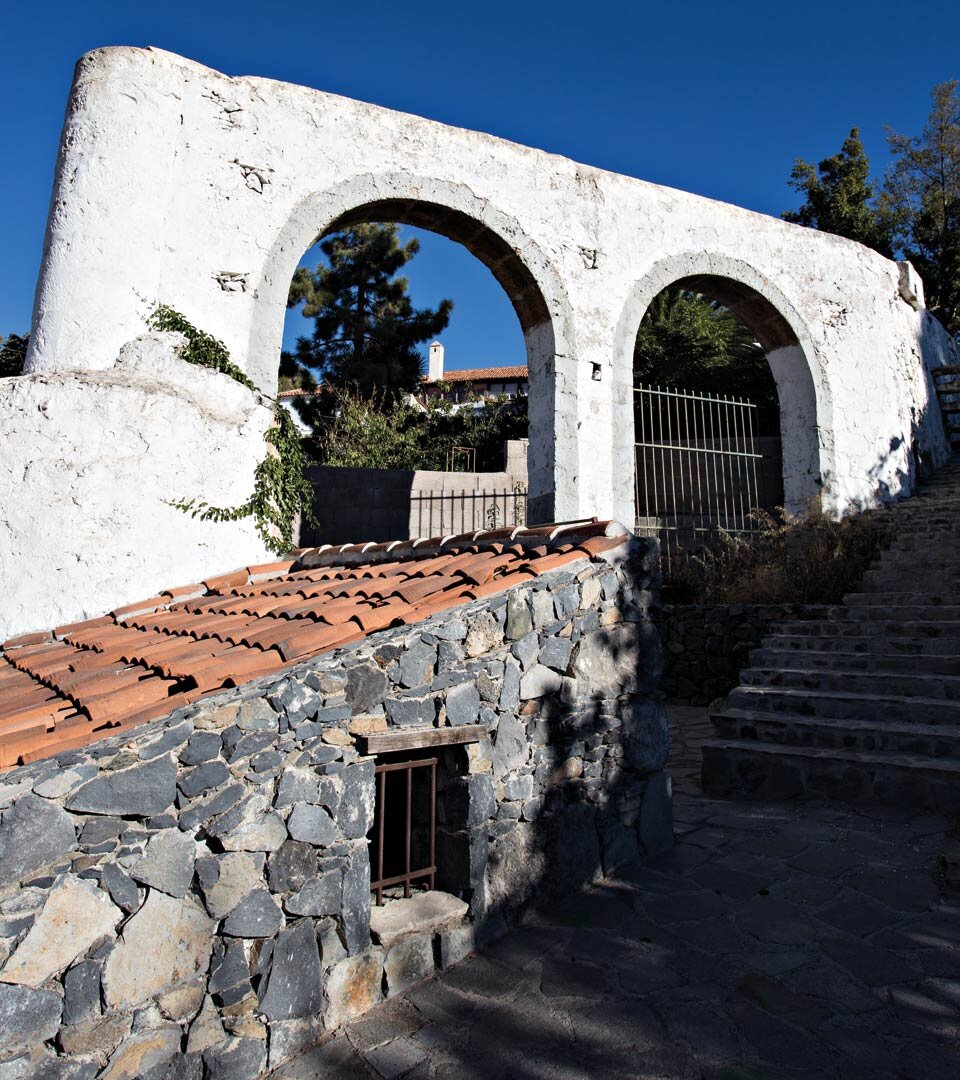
[
  {"x": 526, "y": 278},
  {"x": 708, "y": 452}
]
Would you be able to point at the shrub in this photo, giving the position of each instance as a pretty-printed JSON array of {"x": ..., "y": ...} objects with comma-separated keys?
[{"x": 811, "y": 559}]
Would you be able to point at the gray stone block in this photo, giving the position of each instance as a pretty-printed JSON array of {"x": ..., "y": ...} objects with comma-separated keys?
[
  {"x": 81, "y": 992},
  {"x": 167, "y": 863},
  {"x": 417, "y": 665},
  {"x": 646, "y": 736},
  {"x": 366, "y": 688},
  {"x": 510, "y": 691},
  {"x": 123, "y": 890},
  {"x": 510, "y": 749},
  {"x": 526, "y": 650},
  {"x": 556, "y": 653},
  {"x": 209, "y": 775},
  {"x": 456, "y": 944},
  {"x": 257, "y": 715},
  {"x": 238, "y": 1059},
  {"x": 463, "y": 704},
  {"x": 311, "y": 824},
  {"x": 404, "y": 710},
  {"x": 519, "y": 620},
  {"x": 293, "y": 987},
  {"x": 256, "y": 916},
  {"x": 322, "y": 895},
  {"x": 355, "y": 815},
  {"x": 291, "y": 866},
  {"x": 296, "y": 785},
  {"x": 27, "y": 1016},
  {"x": 407, "y": 962},
  {"x": 34, "y": 833},
  {"x": 538, "y": 682},
  {"x": 140, "y": 790},
  {"x": 355, "y": 915},
  {"x": 202, "y": 746}
]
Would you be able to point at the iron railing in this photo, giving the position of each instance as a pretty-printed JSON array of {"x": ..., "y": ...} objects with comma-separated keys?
[
  {"x": 386, "y": 850},
  {"x": 701, "y": 468},
  {"x": 437, "y": 513}
]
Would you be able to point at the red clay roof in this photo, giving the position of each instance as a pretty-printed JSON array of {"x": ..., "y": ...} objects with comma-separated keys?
[
  {"x": 484, "y": 374},
  {"x": 62, "y": 689}
]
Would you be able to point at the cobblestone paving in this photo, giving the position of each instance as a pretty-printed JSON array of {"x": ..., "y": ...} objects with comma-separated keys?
[{"x": 777, "y": 940}]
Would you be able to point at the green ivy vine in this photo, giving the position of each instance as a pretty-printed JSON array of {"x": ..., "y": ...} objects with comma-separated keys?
[{"x": 280, "y": 488}]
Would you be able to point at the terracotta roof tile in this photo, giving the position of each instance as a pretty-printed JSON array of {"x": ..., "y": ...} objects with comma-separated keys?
[{"x": 60, "y": 691}]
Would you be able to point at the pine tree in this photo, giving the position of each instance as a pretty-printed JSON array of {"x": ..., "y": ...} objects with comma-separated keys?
[
  {"x": 366, "y": 330},
  {"x": 13, "y": 352},
  {"x": 839, "y": 196},
  {"x": 690, "y": 341},
  {"x": 921, "y": 197}
]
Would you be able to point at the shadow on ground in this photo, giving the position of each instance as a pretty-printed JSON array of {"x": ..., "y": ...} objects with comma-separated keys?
[{"x": 777, "y": 940}]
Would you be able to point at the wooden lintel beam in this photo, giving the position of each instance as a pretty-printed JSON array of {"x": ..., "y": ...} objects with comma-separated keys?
[{"x": 385, "y": 742}]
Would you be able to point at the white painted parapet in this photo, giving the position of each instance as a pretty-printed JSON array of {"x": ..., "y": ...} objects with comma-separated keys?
[{"x": 181, "y": 185}]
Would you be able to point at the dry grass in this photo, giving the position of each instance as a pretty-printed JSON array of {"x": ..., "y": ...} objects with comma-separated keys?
[{"x": 812, "y": 559}]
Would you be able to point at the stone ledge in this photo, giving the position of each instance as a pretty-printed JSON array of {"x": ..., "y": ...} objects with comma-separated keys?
[{"x": 427, "y": 913}]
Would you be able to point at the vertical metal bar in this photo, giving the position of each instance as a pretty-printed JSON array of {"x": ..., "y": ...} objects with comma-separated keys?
[
  {"x": 433, "y": 824},
  {"x": 682, "y": 460},
  {"x": 383, "y": 789},
  {"x": 409, "y": 830},
  {"x": 753, "y": 462},
  {"x": 741, "y": 463}
]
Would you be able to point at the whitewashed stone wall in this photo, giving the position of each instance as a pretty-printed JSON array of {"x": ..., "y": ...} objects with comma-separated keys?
[{"x": 179, "y": 184}]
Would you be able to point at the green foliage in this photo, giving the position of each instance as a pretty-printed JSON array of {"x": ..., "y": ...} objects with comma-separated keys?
[
  {"x": 839, "y": 197},
  {"x": 13, "y": 352},
  {"x": 366, "y": 330},
  {"x": 280, "y": 488},
  {"x": 382, "y": 433},
  {"x": 921, "y": 199},
  {"x": 201, "y": 348},
  {"x": 687, "y": 340},
  {"x": 808, "y": 559}
]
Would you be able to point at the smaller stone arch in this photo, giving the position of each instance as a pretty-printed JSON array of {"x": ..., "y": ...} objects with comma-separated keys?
[
  {"x": 520, "y": 266},
  {"x": 805, "y": 401}
]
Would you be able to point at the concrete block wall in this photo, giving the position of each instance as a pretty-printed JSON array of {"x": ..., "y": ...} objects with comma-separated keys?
[{"x": 195, "y": 895}]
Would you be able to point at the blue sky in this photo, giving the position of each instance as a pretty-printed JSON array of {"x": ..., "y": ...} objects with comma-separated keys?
[{"x": 713, "y": 98}]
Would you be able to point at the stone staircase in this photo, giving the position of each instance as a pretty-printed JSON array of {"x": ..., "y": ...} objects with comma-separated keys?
[{"x": 864, "y": 705}]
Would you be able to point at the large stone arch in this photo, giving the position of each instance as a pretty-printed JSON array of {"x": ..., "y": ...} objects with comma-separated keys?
[
  {"x": 523, "y": 270},
  {"x": 806, "y": 409}
]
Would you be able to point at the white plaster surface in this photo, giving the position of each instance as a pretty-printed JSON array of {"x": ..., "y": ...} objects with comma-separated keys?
[
  {"x": 179, "y": 184},
  {"x": 89, "y": 460}
]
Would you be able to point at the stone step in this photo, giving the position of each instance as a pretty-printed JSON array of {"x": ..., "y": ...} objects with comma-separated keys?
[
  {"x": 844, "y": 705},
  {"x": 945, "y": 369},
  {"x": 885, "y": 580},
  {"x": 803, "y": 657},
  {"x": 854, "y": 628},
  {"x": 913, "y": 613},
  {"x": 869, "y": 598},
  {"x": 935, "y": 687},
  {"x": 876, "y": 644},
  {"x": 748, "y": 769},
  {"x": 863, "y": 736}
]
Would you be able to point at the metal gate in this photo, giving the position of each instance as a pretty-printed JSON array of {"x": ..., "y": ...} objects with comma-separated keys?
[{"x": 701, "y": 467}]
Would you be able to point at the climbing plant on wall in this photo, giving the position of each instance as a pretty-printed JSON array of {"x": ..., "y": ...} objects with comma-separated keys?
[{"x": 280, "y": 489}]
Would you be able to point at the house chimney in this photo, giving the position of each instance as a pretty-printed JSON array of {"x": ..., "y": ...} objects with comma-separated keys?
[{"x": 435, "y": 364}]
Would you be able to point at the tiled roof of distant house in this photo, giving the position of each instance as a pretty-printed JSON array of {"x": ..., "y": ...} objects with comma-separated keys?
[
  {"x": 484, "y": 374},
  {"x": 62, "y": 689}
]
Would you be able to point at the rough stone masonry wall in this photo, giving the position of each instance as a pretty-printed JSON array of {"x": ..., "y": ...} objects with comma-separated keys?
[
  {"x": 706, "y": 646},
  {"x": 193, "y": 900}
]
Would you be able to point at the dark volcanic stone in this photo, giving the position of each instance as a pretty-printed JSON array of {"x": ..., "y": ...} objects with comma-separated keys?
[
  {"x": 311, "y": 824},
  {"x": 238, "y": 1059},
  {"x": 81, "y": 992},
  {"x": 293, "y": 987},
  {"x": 319, "y": 896},
  {"x": 356, "y": 900},
  {"x": 34, "y": 832},
  {"x": 355, "y": 816},
  {"x": 463, "y": 704},
  {"x": 123, "y": 891},
  {"x": 141, "y": 790},
  {"x": 293, "y": 864},
  {"x": 27, "y": 1016},
  {"x": 203, "y": 778},
  {"x": 203, "y": 746},
  {"x": 256, "y": 916},
  {"x": 366, "y": 688}
]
